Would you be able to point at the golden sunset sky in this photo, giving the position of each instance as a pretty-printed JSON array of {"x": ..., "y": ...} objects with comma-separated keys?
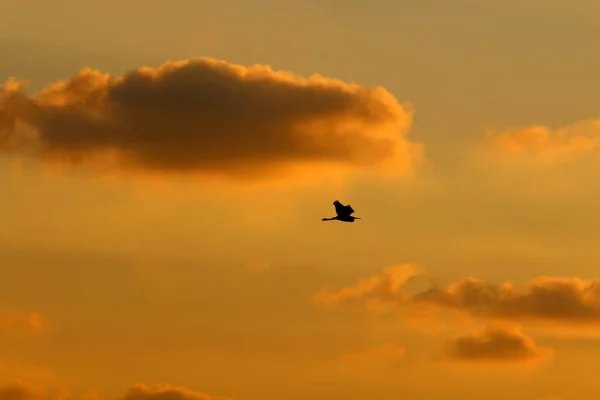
[{"x": 165, "y": 165}]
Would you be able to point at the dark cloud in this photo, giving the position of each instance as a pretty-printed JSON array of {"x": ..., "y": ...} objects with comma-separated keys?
[
  {"x": 559, "y": 300},
  {"x": 495, "y": 344},
  {"x": 16, "y": 391},
  {"x": 556, "y": 299},
  {"x": 20, "y": 391},
  {"x": 208, "y": 116}
]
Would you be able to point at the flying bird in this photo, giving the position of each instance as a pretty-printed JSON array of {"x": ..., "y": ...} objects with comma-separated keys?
[{"x": 344, "y": 213}]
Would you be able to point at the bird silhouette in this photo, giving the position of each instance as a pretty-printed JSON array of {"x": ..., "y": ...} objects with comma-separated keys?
[{"x": 344, "y": 213}]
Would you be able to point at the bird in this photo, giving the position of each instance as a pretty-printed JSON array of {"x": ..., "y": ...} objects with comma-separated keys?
[{"x": 344, "y": 213}]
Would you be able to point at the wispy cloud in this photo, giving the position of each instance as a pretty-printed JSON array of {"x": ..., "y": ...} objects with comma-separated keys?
[
  {"x": 559, "y": 301},
  {"x": 541, "y": 144}
]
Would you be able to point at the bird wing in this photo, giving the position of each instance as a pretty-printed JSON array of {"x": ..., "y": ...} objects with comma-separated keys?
[{"x": 341, "y": 209}]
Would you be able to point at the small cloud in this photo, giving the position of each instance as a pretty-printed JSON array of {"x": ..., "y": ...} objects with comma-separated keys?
[
  {"x": 496, "y": 344},
  {"x": 541, "y": 144},
  {"x": 20, "y": 391},
  {"x": 383, "y": 286},
  {"x": 164, "y": 392}
]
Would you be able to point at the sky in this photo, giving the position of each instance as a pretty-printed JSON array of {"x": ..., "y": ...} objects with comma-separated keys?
[{"x": 165, "y": 165}]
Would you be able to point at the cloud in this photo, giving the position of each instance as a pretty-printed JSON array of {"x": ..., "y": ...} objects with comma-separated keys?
[
  {"x": 541, "y": 144},
  {"x": 496, "y": 344},
  {"x": 164, "y": 392},
  {"x": 377, "y": 287},
  {"x": 566, "y": 301},
  {"x": 36, "y": 374},
  {"x": 208, "y": 117},
  {"x": 19, "y": 391}
]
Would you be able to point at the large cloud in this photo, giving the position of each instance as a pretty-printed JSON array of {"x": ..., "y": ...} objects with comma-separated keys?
[
  {"x": 496, "y": 344},
  {"x": 206, "y": 116},
  {"x": 566, "y": 301}
]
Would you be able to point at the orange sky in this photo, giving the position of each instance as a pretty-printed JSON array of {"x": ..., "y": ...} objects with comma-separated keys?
[{"x": 165, "y": 167}]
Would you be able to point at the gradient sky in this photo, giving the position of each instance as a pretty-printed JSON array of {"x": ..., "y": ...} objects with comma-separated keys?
[{"x": 212, "y": 285}]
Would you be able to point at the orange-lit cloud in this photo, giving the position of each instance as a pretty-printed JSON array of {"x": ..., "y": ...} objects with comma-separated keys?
[
  {"x": 164, "y": 392},
  {"x": 383, "y": 286},
  {"x": 542, "y": 144},
  {"x": 558, "y": 300},
  {"x": 20, "y": 391},
  {"x": 496, "y": 344},
  {"x": 36, "y": 374},
  {"x": 208, "y": 117},
  {"x": 552, "y": 299}
]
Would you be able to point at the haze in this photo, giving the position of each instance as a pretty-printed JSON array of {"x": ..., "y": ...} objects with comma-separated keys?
[{"x": 165, "y": 166}]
